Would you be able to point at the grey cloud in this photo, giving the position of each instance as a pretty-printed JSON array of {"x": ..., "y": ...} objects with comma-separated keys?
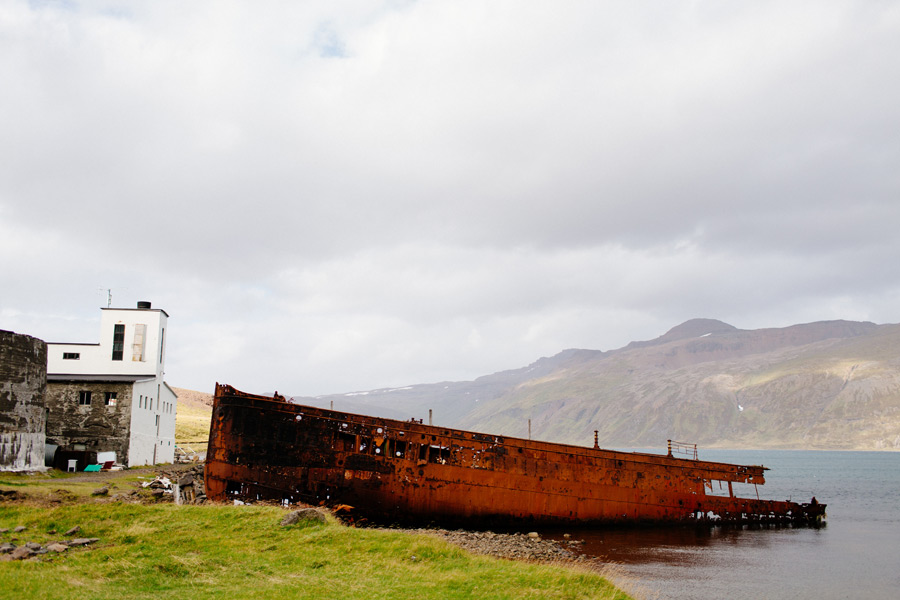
[{"x": 442, "y": 189}]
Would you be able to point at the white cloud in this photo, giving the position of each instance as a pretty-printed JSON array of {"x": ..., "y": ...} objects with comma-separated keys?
[{"x": 352, "y": 195}]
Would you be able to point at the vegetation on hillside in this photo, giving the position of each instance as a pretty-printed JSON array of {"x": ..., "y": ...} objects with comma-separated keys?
[{"x": 193, "y": 412}]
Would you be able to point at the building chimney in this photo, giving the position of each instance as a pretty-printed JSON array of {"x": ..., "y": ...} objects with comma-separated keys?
[{"x": 143, "y": 304}]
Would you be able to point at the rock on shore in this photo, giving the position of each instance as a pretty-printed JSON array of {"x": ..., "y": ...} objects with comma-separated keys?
[{"x": 517, "y": 546}]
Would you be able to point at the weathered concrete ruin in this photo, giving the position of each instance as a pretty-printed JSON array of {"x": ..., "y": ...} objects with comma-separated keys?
[
  {"x": 101, "y": 425},
  {"x": 23, "y": 382}
]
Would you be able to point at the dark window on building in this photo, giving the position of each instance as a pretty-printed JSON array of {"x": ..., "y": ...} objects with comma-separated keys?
[
  {"x": 249, "y": 424},
  {"x": 344, "y": 442},
  {"x": 439, "y": 454},
  {"x": 71, "y": 356},
  {"x": 84, "y": 398},
  {"x": 286, "y": 432},
  {"x": 118, "y": 342},
  {"x": 162, "y": 340},
  {"x": 110, "y": 399},
  {"x": 399, "y": 449}
]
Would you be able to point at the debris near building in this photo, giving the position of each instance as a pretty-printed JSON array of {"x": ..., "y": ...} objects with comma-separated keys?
[
  {"x": 181, "y": 486},
  {"x": 186, "y": 454},
  {"x": 394, "y": 471}
]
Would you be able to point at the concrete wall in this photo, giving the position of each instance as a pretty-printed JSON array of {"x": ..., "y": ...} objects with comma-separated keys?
[
  {"x": 96, "y": 426},
  {"x": 23, "y": 380}
]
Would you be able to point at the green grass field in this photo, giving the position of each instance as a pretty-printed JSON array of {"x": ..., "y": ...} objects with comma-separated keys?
[{"x": 215, "y": 551}]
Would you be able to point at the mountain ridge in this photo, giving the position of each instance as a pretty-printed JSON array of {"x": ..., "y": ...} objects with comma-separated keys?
[{"x": 827, "y": 384}]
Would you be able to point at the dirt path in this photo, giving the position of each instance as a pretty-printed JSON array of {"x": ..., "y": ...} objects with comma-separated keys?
[{"x": 110, "y": 476}]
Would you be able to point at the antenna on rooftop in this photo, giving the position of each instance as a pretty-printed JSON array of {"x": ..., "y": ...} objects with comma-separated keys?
[{"x": 109, "y": 294}]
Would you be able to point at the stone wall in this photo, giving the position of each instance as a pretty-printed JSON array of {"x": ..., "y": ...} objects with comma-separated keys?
[
  {"x": 23, "y": 380},
  {"x": 96, "y": 426}
]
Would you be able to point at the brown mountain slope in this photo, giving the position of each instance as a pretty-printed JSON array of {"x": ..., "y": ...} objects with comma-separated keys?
[{"x": 820, "y": 385}]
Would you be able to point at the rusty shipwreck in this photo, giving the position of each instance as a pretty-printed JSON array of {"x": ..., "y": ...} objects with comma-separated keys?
[{"x": 262, "y": 447}]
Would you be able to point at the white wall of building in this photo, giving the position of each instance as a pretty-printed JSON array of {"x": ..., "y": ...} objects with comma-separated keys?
[
  {"x": 144, "y": 414},
  {"x": 152, "y": 424},
  {"x": 139, "y": 356},
  {"x": 166, "y": 439}
]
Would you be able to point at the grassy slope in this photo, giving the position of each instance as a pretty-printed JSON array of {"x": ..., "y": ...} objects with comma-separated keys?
[
  {"x": 243, "y": 552},
  {"x": 192, "y": 419}
]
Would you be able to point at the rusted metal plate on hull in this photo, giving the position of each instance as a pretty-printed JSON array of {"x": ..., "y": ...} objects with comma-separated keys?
[{"x": 262, "y": 447}]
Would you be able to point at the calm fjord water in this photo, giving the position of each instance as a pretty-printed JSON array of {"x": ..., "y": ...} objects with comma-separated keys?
[{"x": 855, "y": 555}]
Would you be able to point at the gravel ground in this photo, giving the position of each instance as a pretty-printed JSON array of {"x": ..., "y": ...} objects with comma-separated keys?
[{"x": 517, "y": 546}]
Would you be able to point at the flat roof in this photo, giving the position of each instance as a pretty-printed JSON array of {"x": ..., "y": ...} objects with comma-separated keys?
[
  {"x": 101, "y": 378},
  {"x": 143, "y": 309}
]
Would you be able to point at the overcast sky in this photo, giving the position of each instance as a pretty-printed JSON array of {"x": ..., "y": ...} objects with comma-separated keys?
[{"x": 337, "y": 196}]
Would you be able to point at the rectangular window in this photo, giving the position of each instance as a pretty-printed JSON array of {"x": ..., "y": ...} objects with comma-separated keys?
[
  {"x": 344, "y": 442},
  {"x": 286, "y": 433},
  {"x": 399, "y": 449},
  {"x": 110, "y": 399},
  {"x": 84, "y": 398},
  {"x": 137, "y": 348},
  {"x": 118, "y": 349},
  {"x": 141, "y": 401},
  {"x": 439, "y": 454},
  {"x": 71, "y": 356},
  {"x": 249, "y": 424},
  {"x": 162, "y": 339}
]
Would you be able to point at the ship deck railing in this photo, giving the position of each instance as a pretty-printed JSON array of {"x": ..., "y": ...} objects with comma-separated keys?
[{"x": 683, "y": 450}]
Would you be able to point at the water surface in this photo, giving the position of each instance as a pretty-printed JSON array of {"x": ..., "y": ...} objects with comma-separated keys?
[{"x": 855, "y": 555}]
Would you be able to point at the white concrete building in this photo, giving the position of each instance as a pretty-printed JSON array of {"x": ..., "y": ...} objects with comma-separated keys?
[{"x": 111, "y": 396}]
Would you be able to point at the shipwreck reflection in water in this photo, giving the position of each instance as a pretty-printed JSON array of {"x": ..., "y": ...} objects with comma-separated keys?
[{"x": 672, "y": 545}]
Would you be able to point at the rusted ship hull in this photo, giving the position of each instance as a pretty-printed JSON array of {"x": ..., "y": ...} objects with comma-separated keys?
[{"x": 268, "y": 448}]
